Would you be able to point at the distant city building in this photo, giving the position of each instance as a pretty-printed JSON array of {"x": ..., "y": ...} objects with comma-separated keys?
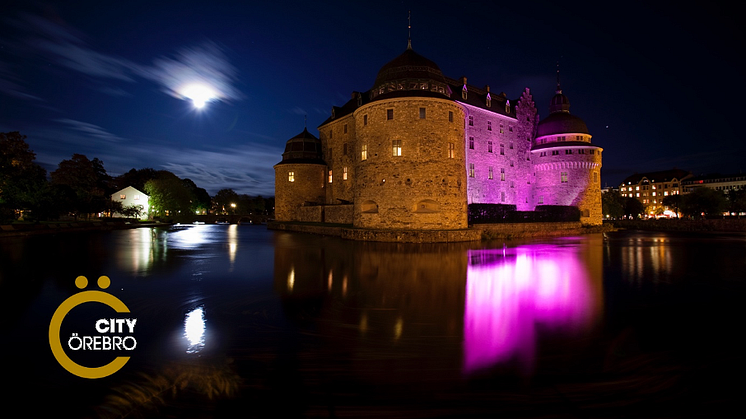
[
  {"x": 418, "y": 147},
  {"x": 650, "y": 188},
  {"x": 725, "y": 183},
  {"x": 130, "y": 196}
]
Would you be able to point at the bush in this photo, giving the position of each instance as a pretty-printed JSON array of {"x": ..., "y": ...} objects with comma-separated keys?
[{"x": 500, "y": 213}]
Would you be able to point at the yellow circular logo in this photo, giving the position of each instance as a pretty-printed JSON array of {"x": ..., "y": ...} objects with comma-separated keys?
[{"x": 102, "y": 325}]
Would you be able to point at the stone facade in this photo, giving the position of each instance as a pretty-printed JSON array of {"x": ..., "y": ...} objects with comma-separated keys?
[{"x": 413, "y": 151}]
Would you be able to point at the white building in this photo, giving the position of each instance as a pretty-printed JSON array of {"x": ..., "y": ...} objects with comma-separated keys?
[{"x": 130, "y": 196}]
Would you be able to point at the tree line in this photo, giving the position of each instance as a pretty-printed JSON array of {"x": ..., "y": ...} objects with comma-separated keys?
[
  {"x": 701, "y": 202},
  {"x": 81, "y": 188}
]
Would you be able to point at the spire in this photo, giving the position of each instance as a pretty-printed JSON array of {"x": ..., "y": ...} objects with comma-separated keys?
[{"x": 409, "y": 30}]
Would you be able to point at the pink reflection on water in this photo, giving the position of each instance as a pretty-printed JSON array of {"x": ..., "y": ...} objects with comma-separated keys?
[{"x": 509, "y": 292}]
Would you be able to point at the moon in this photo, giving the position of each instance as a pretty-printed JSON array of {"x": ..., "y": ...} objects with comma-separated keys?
[{"x": 199, "y": 94}]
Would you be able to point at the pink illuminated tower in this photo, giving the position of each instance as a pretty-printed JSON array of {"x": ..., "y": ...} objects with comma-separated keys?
[{"x": 567, "y": 166}]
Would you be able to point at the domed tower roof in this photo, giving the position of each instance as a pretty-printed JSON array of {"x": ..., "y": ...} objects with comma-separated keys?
[
  {"x": 410, "y": 74},
  {"x": 303, "y": 148},
  {"x": 560, "y": 121}
]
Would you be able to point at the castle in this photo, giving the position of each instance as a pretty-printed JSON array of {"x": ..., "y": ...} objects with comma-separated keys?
[{"x": 417, "y": 148}]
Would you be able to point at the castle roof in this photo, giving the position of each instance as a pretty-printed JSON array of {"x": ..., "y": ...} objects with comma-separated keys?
[
  {"x": 303, "y": 148},
  {"x": 409, "y": 74},
  {"x": 560, "y": 121}
]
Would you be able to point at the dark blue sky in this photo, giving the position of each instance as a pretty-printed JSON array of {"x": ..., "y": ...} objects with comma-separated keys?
[{"x": 659, "y": 87}]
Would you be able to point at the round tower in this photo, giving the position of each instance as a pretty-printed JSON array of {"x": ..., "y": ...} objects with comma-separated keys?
[
  {"x": 567, "y": 165},
  {"x": 409, "y": 147},
  {"x": 299, "y": 178}
]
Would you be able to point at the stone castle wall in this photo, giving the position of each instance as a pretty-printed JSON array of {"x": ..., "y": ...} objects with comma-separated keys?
[
  {"x": 422, "y": 184},
  {"x": 307, "y": 186}
]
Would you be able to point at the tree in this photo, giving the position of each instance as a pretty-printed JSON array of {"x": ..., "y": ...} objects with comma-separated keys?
[
  {"x": 131, "y": 211},
  {"x": 226, "y": 202},
  {"x": 135, "y": 178},
  {"x": 200, "y": 197},
  {"x": 88, "y": 179},
  {"x": 704, "y": 202},
  {"x": 168, "y": 195},
  {"x": 612, "y": 203},
  {"x": 737, "y": 201},
  {"x": 633, "y": 208},
  {"x": 22, "y": 181},
  {"x": 673, "y": 202}
]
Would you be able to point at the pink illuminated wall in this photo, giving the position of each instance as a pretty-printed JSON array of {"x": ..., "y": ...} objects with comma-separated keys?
[{"x": 509, "y": 292}]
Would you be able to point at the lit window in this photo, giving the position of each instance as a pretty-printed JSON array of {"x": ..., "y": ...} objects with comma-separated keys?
[
  {"x": 489, "y": 174},
  {"x": 451, "y": 150},
  {"x": 396, "y": 148},
  {"x": 422, "y": 113},
  {"x": 136, "y": 197},
  {"x": 563, "y": 177},
  {"x": 389, "y": 114},
  {"x": 291, "y": 176},
  {"x": 471, "y": 169},
  {"x": 330, "y": 176},
  {"x": 122, "y": 196},
  {"x": 502, "y": 174},
  {"x": 344, "y": 173},
  {"x": 501, "y": 129},
  {"x": 364, "y": 152}
]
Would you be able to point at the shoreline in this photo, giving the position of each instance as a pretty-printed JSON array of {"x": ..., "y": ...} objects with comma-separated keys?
[{"x": 20, "y": 230}]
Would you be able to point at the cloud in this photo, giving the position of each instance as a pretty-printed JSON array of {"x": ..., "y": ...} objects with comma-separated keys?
[
  {"x": 90, "y": 130},
  {"x": 243, "y": 169},
  {"x": 205, "y": 63}
]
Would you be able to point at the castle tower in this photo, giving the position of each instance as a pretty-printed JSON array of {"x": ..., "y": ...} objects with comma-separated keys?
[
  {"x": 409, "y": 150},
  {"x": 567, "y": 165},
  {"x": 299, "y": 177}
]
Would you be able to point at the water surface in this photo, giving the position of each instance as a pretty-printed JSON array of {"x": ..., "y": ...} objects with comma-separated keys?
[{"x": 238, "y": 320}]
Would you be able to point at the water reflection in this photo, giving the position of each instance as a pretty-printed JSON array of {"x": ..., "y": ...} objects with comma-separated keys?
[
  {"x": 512, "y": 292},
  {"x": 490, "y": 301},
  {"x": 194, "y": 330}
]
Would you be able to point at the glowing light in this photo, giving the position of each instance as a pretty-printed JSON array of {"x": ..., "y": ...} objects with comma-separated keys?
[
  {"x": 508, "y": 297},
  {"x": 199, "y": 94},
  {"x": 194, "y": 330}
]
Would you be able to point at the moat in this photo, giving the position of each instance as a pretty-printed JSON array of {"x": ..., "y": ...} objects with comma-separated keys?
[{"x": 244, "y": 321}]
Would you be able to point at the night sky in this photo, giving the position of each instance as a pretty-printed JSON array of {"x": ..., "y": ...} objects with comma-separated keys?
[{"x": 658, "y": 87}]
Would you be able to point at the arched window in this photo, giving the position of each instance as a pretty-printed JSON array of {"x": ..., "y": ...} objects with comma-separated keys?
[
  {"x": 369, "y": 207},
  {"x": 426, "y": 206}
]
